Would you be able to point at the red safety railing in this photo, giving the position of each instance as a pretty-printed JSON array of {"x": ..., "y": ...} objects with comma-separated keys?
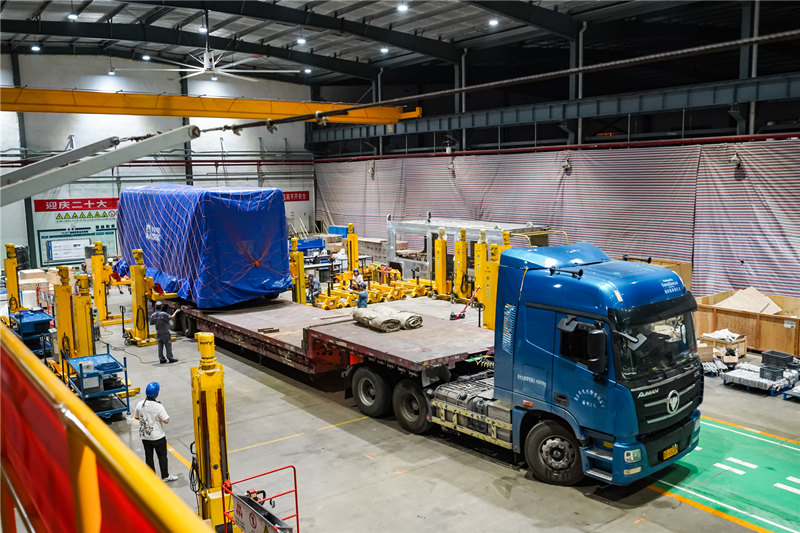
[
  {"x": 239, "y": 513},
  {"x": 63, "y": 469}
]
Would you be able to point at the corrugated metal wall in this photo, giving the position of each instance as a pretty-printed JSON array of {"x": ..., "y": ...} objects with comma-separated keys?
[{"x": 739, "y": 227}]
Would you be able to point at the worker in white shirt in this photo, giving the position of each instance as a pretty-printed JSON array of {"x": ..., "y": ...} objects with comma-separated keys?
[
  {"x": 151, "y": 415},
  {"x": 357, "y": 281}
]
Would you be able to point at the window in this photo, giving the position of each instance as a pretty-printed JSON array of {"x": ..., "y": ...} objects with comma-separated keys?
[{"x": 574, "y": 335}]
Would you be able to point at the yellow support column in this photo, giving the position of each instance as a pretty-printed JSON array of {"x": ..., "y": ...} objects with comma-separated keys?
[
  {"x": 298, "y": 274},
  {"x": 489, "y": 288},
  {"x": 461, "y": 286},
  {"x": 82, "y": 317},
  {"x": 63, "y": 310},
  {"x": 506, "y": 244},
  {"x": 481, "y": 252},
  {"x": 210, "y": 435},
  {"x": 440, "y": 263},
  {"x": 352, "y": 248},
  {"x": 139, "y": 333},
  {"x": 98, "y": 285},
  {"x": 12, "y": 279}
]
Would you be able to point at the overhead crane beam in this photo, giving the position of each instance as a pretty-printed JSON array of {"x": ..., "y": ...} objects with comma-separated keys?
[{"x": 26, "y": 100}]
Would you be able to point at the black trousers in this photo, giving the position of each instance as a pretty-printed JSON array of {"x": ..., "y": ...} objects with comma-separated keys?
[
  {"x": 160, "y": 447},
  {"x": 161, "y": 344}
]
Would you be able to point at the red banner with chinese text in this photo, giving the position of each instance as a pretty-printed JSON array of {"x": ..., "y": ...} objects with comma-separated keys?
[
  {"x": 76, "y": 204},
  {"x": 295, "y": 196}
]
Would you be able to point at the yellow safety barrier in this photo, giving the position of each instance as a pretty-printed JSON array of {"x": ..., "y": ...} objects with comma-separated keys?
[{"x": 72, "y": 459}]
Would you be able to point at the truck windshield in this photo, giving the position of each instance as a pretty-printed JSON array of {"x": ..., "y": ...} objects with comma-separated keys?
[{"x": 654, "y": 349}]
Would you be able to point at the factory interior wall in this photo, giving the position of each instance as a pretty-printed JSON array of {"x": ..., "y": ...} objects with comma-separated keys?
[
  {"x": 46, "y": 132},
  {"x": 739, "y": 226}
]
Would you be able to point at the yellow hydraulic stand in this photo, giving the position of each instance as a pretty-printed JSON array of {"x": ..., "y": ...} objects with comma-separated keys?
[
  {"x": 461, "y": 285},
  {"x": 82, "y": 318},
  {"x": 101, "y": 277},
  {"x": 490, "y": 280},
  {"x": 352, "y": 248},
  {"x": 440, "y": 285},
  {"x": 141, "y": 290},
  {"x": 12, "y": 279},
  {"x": 296, "y": 265},
  {"x": 63, "y": 315},
  {"x": 481, "y": 255},
  {"x": 210, "y": 463}
]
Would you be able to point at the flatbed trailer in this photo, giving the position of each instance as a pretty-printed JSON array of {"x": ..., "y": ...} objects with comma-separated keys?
[{"x": 317, "y": 341}]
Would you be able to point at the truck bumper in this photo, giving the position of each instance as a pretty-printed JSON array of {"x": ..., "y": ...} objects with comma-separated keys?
[{"x": 645, "y": 457}]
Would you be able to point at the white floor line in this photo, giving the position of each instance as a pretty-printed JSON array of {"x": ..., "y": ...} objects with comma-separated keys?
[
  {"x": 779, "y": 443},
  {"x": 732, "y": 469},
  {"x": 731, "y": 507},
  {"x": 698, "y": 448},
  {"x": 786, "y": 487},
  {"x": 739, "y": 462},
  {"x": 793, "y": 479}
]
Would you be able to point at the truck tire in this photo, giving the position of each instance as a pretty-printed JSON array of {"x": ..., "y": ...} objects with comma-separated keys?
[
  {"x": 553, "y": 454},
  {"x": 177, "y": 323},
  {"x": 411, "y": 407},
  {"x": 191, "y": 327},
  {"x": 371, "y": 392}
]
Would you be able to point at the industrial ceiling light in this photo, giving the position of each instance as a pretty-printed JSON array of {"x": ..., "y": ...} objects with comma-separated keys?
[
  {"x": 384, "y": 50},
  {"x": 307, "y": 70},
  {"x": 494, "y": 22},
  {"x": 72, "y": 16},
  {"x": 145, "y": 57},
  {"x": 736, "y": 160},
  {"x": 402, "y": 8},
  {"x": 111, "y": 72},
  {"x": 214, "y": 77},
  {"x": 36, "y": 48},
  {"x": 301, "y": 40},
  {"x": 203, "y": 29}
]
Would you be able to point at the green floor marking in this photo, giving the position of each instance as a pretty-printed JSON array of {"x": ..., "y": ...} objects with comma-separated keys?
[{"x": 736, "y": 471}]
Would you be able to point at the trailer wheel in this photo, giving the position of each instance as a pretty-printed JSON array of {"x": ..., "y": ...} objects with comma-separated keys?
[
  {"x": 372, "y": 393},
  {"x": 191, "y": 327},
  {"x": 553, "y": 454},
  {"x": 411, "y": 407},
  {"x": 177, "y": 323}
]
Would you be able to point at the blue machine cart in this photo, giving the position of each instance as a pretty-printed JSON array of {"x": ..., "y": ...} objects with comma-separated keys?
[{"x": 90, "y": 373}]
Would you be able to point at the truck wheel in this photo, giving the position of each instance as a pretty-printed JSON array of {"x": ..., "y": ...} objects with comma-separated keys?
[
  {"x": 372, "y": 393},
  {"x": 553, "y": 454},
  {"x": 177, "y": 322},
  {"x": 411, "y": 407},
  {"x": 191, "y": 327}
]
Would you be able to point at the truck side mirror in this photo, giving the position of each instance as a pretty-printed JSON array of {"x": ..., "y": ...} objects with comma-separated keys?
[{"x": 596, "y": 350}]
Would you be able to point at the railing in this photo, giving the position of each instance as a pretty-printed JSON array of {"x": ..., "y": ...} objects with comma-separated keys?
[
  {"x": 63, "y": 469},
  {"x": 248, "y": 510}
]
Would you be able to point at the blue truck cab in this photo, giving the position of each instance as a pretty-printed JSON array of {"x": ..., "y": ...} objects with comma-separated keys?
[{"x": 598, "y": 359}]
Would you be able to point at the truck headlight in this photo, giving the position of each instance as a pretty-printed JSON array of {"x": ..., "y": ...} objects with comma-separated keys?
[
  {"x": 632, "y": 471},
  {"x": 696, "y": 425},
  {"x": 633, "y": 456}
]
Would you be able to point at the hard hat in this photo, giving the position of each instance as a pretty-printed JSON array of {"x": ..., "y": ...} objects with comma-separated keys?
[
  {"x": 159, "y": 305},
  {"x": 153, "y": 389}
]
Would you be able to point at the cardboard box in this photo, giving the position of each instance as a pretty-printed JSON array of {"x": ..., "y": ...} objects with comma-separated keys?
[
  {"x": 27, "y": 275},
  {"x": 33, "y": 284},
  {"x": 750, "y": 300},
  {"x": 721, "y": 348},
  {"x": 705, "y": 351}
]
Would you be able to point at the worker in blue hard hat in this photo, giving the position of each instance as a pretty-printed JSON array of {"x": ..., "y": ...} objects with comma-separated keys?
[{"x": 151, "y": 416}]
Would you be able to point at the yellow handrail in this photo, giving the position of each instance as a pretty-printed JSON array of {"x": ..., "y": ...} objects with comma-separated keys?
[{"x": 88, "y": 437}]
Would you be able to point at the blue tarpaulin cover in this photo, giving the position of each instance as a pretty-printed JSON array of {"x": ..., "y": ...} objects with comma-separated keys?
[{"x": 215, "y": 247}]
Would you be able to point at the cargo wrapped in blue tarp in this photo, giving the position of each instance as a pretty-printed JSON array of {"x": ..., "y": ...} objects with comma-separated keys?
[{"x": 215, "y": 247}]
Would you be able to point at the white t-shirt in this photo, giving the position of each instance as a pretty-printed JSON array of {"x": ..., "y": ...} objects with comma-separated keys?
[{"x": 151, "y": 415}]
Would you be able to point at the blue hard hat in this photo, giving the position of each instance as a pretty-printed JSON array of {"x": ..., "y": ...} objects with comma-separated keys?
[{"x": 152, "y": 389}]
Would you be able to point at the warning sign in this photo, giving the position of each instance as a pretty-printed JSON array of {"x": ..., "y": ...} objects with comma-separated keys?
[{"x": 59, "y": 217}]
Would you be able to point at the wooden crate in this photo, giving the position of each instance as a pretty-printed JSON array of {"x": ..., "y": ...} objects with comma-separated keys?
[
  {"x": 740, "y": 345},
  {"x": 764, "y": 332}
]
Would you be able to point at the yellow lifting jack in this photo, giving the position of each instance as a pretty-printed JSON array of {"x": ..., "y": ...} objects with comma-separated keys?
[
  {"x": 296, "y": 267},
  {"x": 82, "y": 318},
  {"x": 101, "y": 277},
  {"x": 210, "y": 450},
  {"x": 12, "y": 280},
  {"x": 489, "y": 280},
  {"x": 142, "y": 290}
]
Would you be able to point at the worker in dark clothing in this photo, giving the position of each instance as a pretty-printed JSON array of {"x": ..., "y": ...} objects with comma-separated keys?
[
  {"x": 161, "y": 321},
  {"x": 363, "y": 298},
  {"x": 314, "y": 289}
]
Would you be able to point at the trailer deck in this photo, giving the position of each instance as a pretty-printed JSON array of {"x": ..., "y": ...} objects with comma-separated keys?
[{"x": 315, "y": 340}]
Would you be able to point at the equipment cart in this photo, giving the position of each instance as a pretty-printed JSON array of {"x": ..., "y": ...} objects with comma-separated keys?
[{"x": 95, "y": 379}]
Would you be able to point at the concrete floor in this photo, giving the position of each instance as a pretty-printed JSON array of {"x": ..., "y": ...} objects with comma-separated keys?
[{"x": 362, "y": 474}]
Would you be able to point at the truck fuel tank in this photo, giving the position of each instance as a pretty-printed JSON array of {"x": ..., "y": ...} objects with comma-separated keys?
[{"x": 469, "y": 400}]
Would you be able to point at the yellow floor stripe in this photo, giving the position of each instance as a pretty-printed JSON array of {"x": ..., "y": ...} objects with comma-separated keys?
[
  {"x": 180, "y": 458},
  {"x": 268, "y": 442},
  {"x": 751, "y": 429},
  {"x": 343, "y": 423},
  {"x": 708, "y": 509}
]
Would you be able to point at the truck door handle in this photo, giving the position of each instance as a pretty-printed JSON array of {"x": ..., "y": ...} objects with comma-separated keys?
[{"x": 560, "y": 399}]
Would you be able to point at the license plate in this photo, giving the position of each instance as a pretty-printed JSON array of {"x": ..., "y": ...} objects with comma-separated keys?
[{"x": 669, "y": 452}]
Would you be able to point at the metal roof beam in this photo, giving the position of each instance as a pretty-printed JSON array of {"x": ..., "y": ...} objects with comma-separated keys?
[
  {"x": 545, "y": 19},
  {"x": 168, "y": 36},
  {"x": 153, "y": 15},
  {"x": 188, "y": 20},
  {"x": 719, "y": 94},
  {"x": 113, "y": 13},
  {"x": 275, "y": 12},
  {"x": 39, "y": 10},
  {"x": 229, "y": 20}
]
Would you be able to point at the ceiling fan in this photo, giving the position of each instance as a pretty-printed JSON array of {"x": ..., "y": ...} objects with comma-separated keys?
[{"x": 209, "y": 64}]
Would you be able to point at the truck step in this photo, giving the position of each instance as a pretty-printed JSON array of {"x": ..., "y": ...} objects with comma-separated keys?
[
  {"x": 599, "y": 474},
  {"x": 600, "y": 453}
]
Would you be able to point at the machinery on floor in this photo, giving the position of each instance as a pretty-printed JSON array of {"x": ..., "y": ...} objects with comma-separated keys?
[
  {"x": 143, "y": 290},
  {"x": 30, "y": 325}
]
